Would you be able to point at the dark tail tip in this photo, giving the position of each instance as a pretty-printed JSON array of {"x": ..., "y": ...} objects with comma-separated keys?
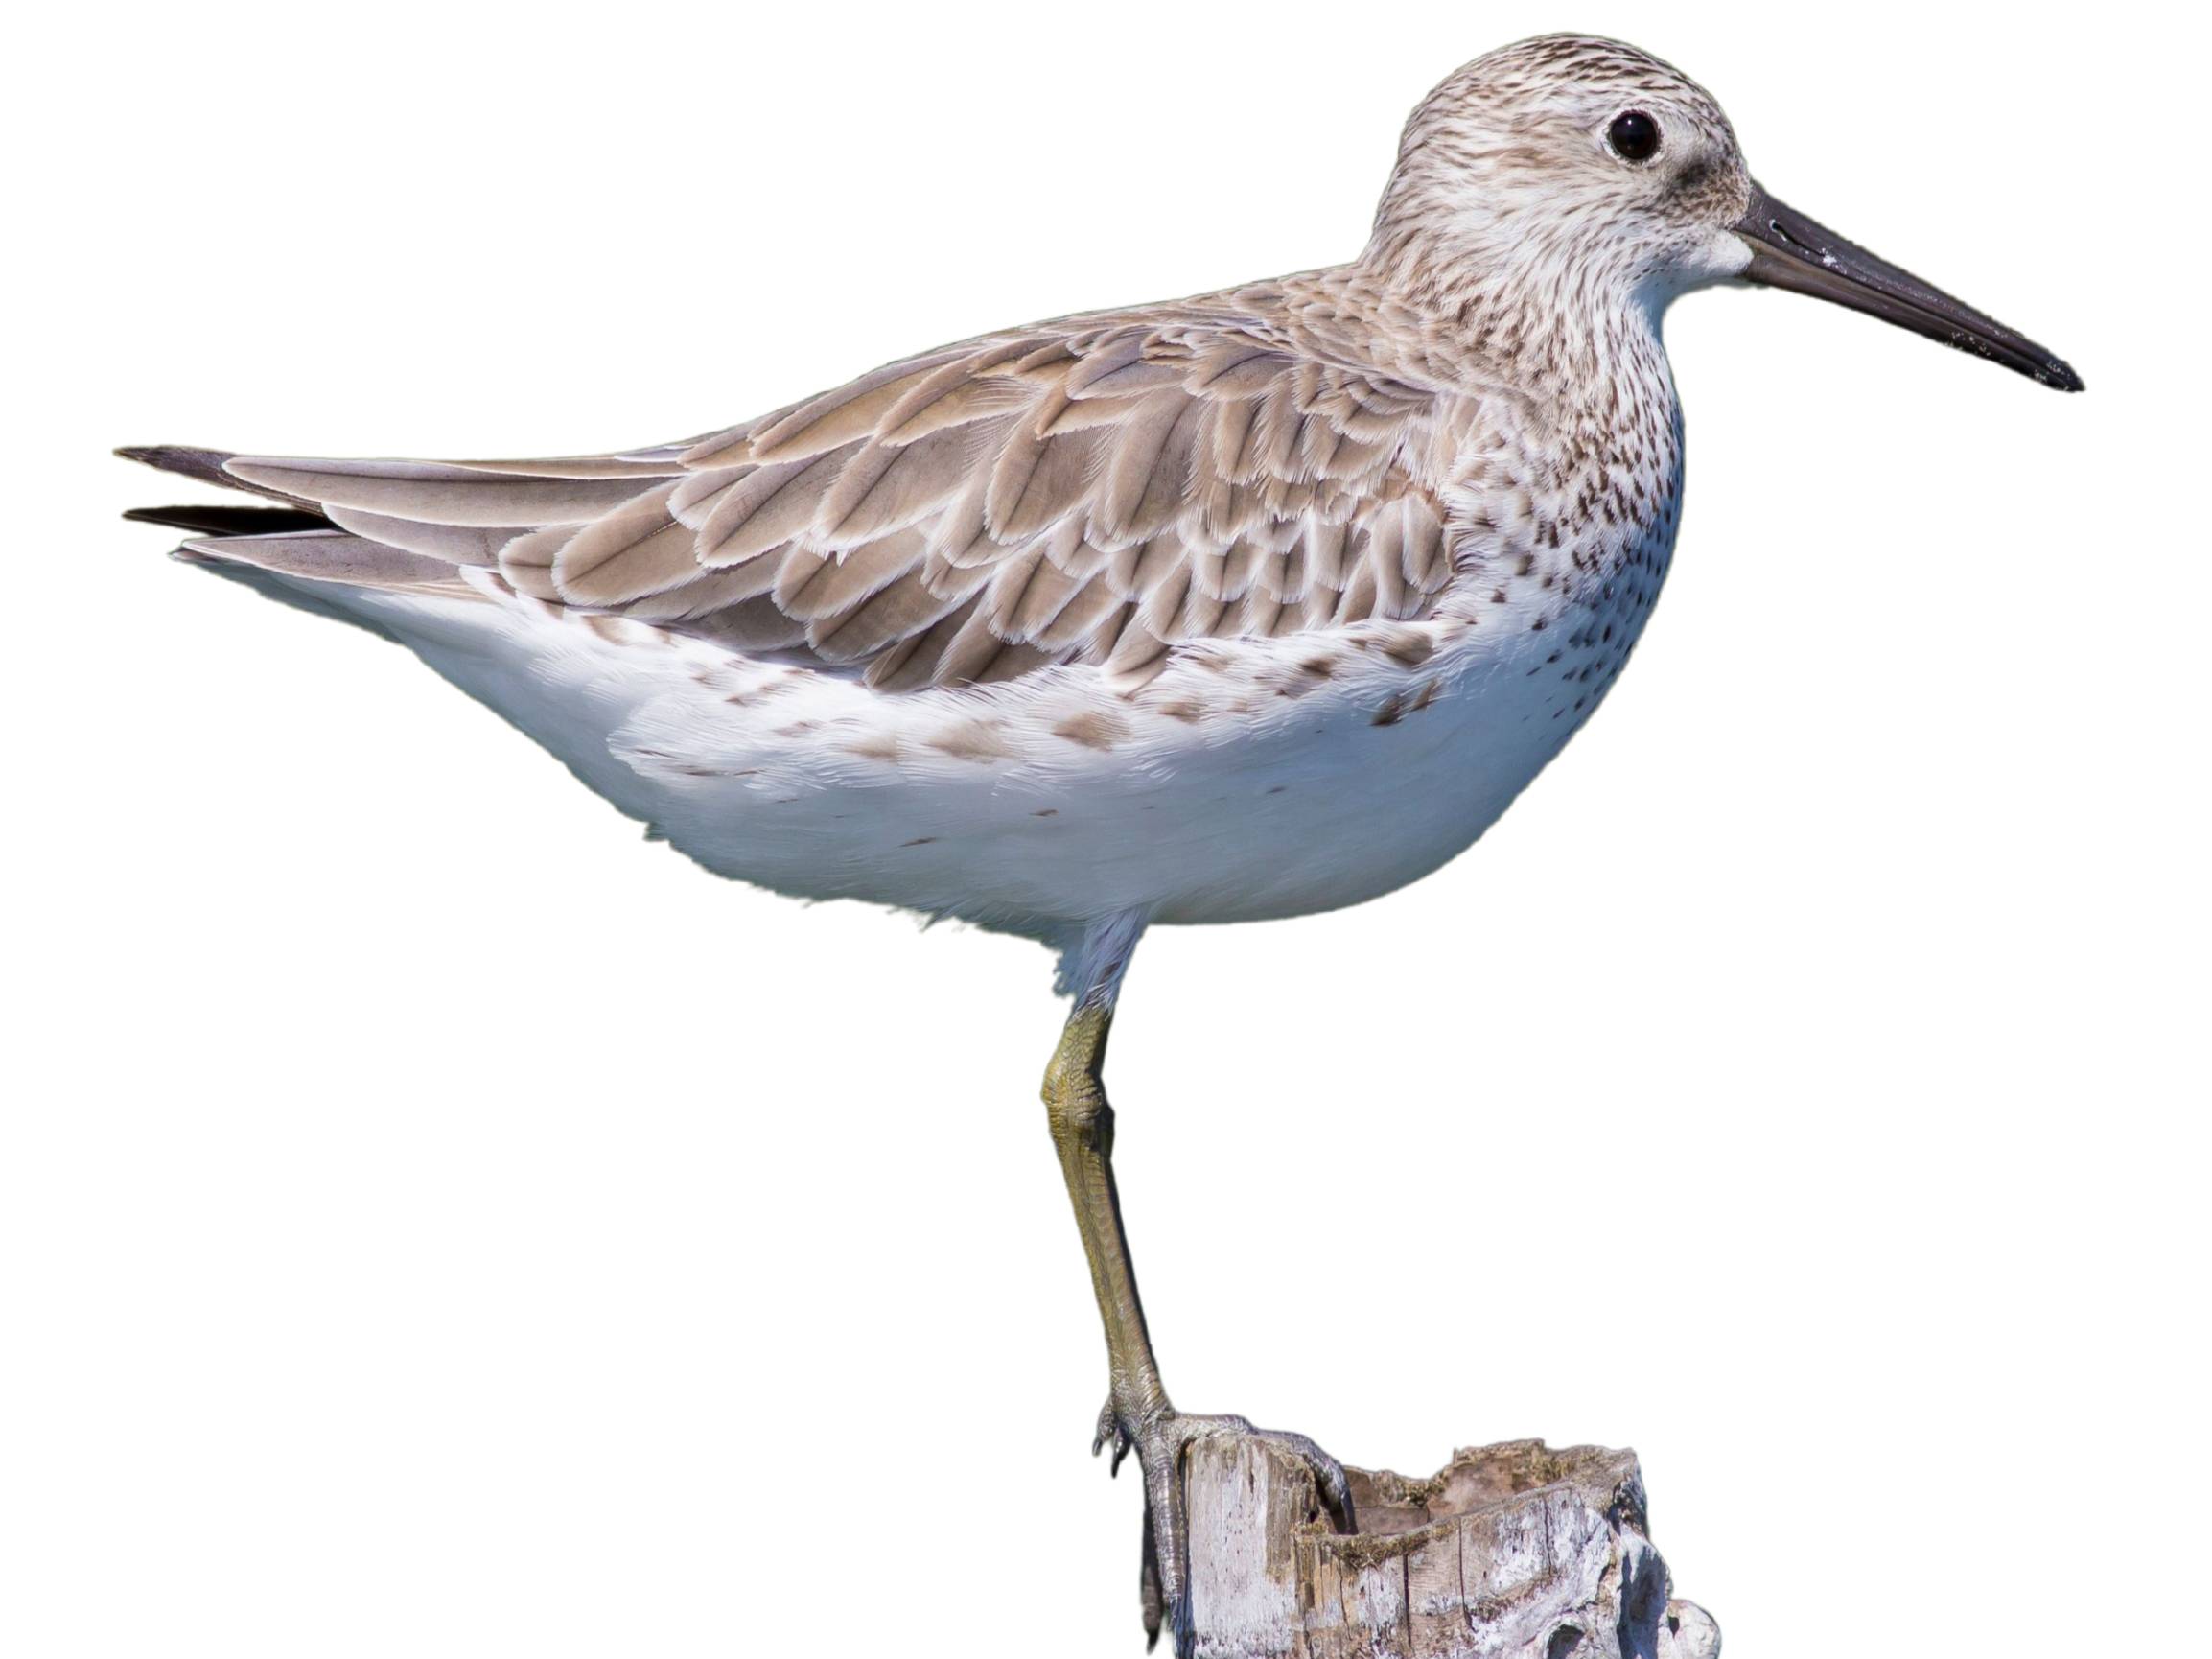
[
  {"x": 208, "y": 467},
  {"x": 214, "y": 519},
  {"x": 205, "y": 465}
]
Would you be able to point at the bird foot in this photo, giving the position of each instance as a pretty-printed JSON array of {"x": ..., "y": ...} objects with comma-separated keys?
[{"x": 1159, "y": 1438}]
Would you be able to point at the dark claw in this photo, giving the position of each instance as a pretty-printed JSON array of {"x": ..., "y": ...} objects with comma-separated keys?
[
  {"x": 1336, "y": 1494},
  {"x": 1149, "y": 1585},
  {"x": 1329, "y": 1481},
  {"x": 1110, "y": 1429}
]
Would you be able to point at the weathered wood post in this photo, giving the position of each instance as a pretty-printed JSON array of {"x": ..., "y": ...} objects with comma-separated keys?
[{"x": 1509, "y": 1552}]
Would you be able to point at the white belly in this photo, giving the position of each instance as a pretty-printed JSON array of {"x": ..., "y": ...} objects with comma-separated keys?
[{"x": 1259, "y": 779}]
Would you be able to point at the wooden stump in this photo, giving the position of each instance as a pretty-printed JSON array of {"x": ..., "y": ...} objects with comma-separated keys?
[{"x": 1509, "y": 1552}]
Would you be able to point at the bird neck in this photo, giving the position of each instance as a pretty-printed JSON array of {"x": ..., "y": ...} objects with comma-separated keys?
[
  {"x": 1565, "y": 468},
  {"x": 1566, "y": 325}
]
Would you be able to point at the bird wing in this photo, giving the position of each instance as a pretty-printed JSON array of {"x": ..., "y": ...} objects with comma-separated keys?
[{"x": 1091, "y": 491}]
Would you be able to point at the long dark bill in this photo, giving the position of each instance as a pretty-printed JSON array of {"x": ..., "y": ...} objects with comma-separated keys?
[{"x": 1789, "y": 250}]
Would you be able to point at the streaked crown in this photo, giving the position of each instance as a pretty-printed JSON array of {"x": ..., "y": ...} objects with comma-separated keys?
[{"x": 1565, "y": 155}]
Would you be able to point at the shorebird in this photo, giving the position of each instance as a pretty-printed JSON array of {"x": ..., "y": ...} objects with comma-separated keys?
[{"x": 1246, "y": 605}]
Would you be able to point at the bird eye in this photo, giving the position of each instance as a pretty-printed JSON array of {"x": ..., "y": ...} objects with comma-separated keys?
[{"x": 1633, "y": 136}]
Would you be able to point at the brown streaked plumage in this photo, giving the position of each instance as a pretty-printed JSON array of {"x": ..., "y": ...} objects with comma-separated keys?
[
  {"x": 1251, "y": 605},
  {"x": 1091, "y": 491}
]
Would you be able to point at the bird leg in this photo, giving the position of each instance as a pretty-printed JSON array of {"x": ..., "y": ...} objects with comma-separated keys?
[{"x": 1137, "y": 1416}]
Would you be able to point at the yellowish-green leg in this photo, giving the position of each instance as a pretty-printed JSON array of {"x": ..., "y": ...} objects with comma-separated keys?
[
  {"x": 1082, "y": 1132},
  {"x": 1137, "y": 1416}
]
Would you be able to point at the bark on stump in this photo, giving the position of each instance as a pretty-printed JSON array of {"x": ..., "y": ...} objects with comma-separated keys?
[{"x": 1509, "y": 1552}]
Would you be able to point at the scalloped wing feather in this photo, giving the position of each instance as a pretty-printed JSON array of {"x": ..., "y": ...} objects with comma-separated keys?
[{"x": 1099, "y": 491}]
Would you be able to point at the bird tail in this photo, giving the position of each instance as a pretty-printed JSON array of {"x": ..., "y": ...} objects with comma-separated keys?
[
  {"x": 293, "y": 538},
  {"x": 446, "y": 524},
  {"x": 214, "y": 519},
  {"x": 219, "y": 518}
]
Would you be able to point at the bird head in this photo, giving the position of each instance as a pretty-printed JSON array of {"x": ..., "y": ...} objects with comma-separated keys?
[{"x": 1572, "y": 169}]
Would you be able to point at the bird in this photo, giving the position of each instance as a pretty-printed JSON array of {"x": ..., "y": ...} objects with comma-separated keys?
[{"x": 1249, "y": 605}]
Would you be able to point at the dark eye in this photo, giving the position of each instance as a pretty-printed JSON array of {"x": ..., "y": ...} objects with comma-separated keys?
[{"x": 1633, "y": 136}]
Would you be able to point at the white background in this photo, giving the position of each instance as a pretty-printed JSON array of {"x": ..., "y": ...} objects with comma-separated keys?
[{"x": 435, "y": 1221}]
